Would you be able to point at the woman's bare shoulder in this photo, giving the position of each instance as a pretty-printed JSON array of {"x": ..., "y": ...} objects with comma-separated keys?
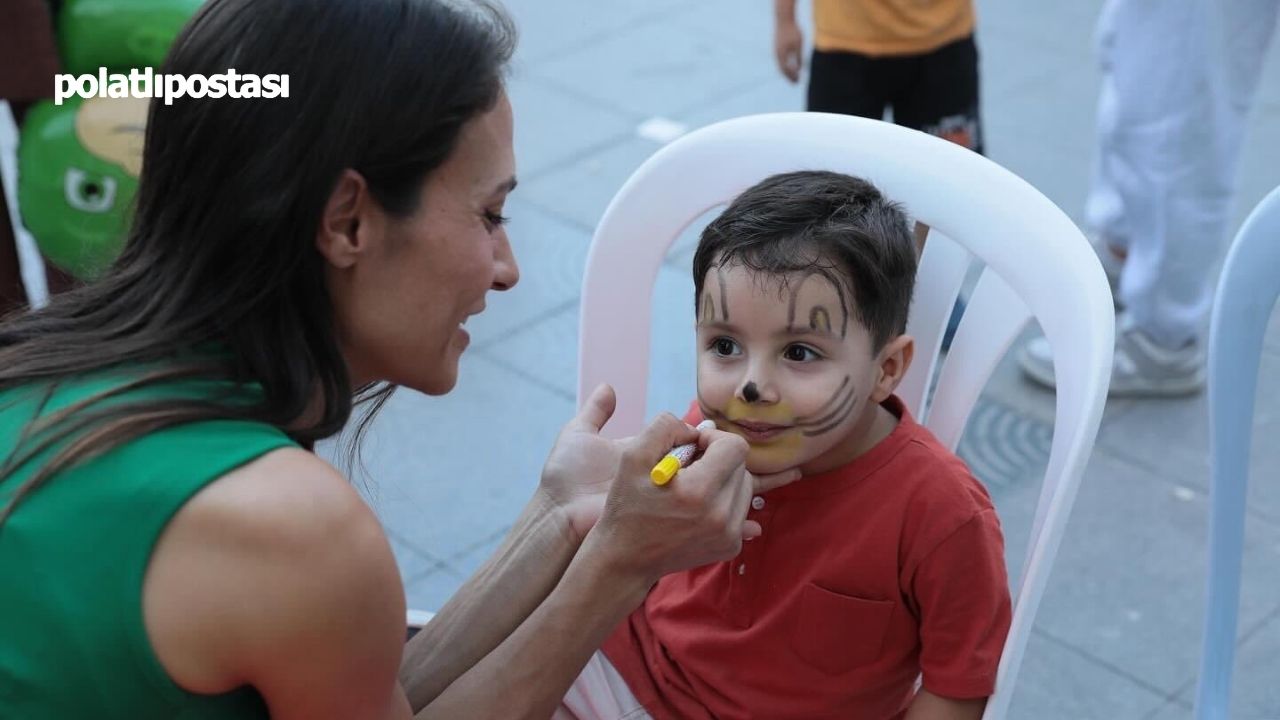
[{"x": 278, "y": 564}]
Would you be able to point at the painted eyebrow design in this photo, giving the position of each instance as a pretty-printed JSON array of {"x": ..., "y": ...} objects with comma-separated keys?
[{"x": 795, "y": 294}]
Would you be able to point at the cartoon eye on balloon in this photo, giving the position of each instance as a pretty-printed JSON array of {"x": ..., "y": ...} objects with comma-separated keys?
[{"x": 89, "y": 193}]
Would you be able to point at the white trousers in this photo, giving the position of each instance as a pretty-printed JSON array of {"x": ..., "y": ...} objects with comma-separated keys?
[
  {"x": 1179, "y": 78},
  {"x": 600, "y": 693}
]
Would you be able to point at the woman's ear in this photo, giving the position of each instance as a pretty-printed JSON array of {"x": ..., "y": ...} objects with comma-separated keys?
[
  {"x": 339, "y": 238},
  {"x": 894, "y": 360}
]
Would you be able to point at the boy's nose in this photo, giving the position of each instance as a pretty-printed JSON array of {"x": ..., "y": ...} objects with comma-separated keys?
[{"x": 755, "y": 391}]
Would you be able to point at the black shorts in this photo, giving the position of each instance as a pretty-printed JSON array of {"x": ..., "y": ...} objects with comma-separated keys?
[{"x": 936, "y": 92}]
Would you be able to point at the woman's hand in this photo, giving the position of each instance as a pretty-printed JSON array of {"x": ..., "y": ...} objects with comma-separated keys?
[
  {"x": 581, "y": 467},
  {"x": 696, "y": 519}
]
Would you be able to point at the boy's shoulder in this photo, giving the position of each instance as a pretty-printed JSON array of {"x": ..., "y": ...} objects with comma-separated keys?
[{"x": 939, "y": 492}]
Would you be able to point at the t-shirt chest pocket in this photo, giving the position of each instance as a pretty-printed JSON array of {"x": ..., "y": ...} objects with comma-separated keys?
[{"x": 836, "y": 633}]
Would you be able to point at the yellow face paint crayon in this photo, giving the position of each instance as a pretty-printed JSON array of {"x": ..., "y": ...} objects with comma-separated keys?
[{"x": 679, "y": 457}]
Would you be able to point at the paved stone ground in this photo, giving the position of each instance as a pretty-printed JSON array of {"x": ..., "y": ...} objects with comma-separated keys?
[{"x": 1118, "y": 632}]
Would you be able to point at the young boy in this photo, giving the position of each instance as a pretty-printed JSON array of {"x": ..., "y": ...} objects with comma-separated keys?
[{"x": 885, "y": 560}]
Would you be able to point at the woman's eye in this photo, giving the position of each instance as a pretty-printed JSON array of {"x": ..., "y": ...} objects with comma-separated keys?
[
  {"x": 724, "y": 346},
  {"x": 800, "y": 353},
  {"x": 495, "y": 220}
]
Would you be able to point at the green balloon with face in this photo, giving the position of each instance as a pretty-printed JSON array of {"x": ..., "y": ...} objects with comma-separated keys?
[
  {"x": 77, "y": 174},
  {"x": 119, "y": 34}
]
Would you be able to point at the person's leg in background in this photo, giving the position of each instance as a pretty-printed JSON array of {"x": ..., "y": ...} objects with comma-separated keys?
[
  {"x": 1178, "y": 81},
  {"x": 937, "y": 93},
  {"x": 849, "y": 84}
]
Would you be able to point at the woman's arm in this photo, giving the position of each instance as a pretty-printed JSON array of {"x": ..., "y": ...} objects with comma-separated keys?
[
  {"x": 490, "y": 605},
  {"x": 644, "y": 532}
]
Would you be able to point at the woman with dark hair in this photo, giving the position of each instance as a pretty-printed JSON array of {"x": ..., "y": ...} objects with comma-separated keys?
[{"x": 170, "y": 546}]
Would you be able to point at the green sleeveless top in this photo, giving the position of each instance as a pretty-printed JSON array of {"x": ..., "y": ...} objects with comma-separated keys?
[{"x": 74, "y": 552}]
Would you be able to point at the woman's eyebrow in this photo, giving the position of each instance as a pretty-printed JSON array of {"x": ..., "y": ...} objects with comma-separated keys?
[{"x": 506, "y": 186}]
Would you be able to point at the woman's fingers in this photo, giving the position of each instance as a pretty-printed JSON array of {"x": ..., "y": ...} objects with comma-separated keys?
[{"x": 597, "y": 410}]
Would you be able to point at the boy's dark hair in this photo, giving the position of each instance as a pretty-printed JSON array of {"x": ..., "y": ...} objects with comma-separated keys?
[{"x": 839, "y": 225}]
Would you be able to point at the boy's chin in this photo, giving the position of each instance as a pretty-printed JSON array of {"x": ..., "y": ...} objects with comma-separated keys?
[{"x": 768, "y": 466}]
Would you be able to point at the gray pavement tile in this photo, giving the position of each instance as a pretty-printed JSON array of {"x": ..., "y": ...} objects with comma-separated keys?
[
  {"x": 1254, "y": 692},
  {"x": 773, "y": 95},
  {"x": 746, "y": 24},
  {"x": 551, "y": 253},
  {"x": 1172, "y": 710},
  {"x": 1271, "y": 343},
  {"x": 1004, "y": 448},
  {"x": 1029, "y": 49},
  {"x": 1059, "y": 683},
  {"x": 551, "y": 27},
  {"x": 1259, "y": 160},
  {"x": 1060, "y": 174},
  {"x": 1058, "y": 114},
  {"x": 431, "y": 590},
  {"x": 1127, "y": 585},
  {"x": 554, "y": 127},
  {"x": 658, "y": 69},
  {"x": 548, "y": 350},
  {"x": 582, "y": 191},
  {"x": 445, "y": 473},
  {"x": 1050, "y": 26},
  {"x": 1171, "y": 438}
]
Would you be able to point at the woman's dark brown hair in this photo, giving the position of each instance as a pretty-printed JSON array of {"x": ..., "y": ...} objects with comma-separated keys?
[{"x": 220, "y": 278}]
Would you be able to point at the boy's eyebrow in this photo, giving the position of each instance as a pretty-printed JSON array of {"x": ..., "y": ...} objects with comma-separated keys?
[
  {"x": 788, "y": 332},
  {"x": 717, "y": 325}
]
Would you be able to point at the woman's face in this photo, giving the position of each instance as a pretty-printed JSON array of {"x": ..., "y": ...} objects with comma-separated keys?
[{"x": 403, "y": 287}]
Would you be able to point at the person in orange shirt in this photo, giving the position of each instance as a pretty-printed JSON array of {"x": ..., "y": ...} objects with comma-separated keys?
[
  {"x": 916, "y": 58},
  {"x": 884, "y": 562}
]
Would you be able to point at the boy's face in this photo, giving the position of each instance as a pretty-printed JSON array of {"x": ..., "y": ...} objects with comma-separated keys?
[{"x": 787, "y": 367}]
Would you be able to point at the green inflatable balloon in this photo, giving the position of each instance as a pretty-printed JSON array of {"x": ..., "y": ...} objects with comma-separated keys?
[
  {"x": 119, "y": 34},
  {"x": 78, "y": 169}
]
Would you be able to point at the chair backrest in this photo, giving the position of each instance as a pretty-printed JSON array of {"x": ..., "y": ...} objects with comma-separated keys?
[
  {"x": 1037, "y": 264},
  {"x": 1247, "y": 292}
]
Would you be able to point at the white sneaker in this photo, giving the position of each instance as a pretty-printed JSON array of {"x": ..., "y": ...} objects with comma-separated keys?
[{"x": 1140, "y": 368}]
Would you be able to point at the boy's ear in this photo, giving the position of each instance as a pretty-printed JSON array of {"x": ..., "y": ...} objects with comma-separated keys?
[{"x": 894, "y": 360}]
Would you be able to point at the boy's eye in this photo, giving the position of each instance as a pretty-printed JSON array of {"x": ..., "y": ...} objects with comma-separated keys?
[
  {"x": 800, "y": 353},
  {"x": 724, "y": 346}
]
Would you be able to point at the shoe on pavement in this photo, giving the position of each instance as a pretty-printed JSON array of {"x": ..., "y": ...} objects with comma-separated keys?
[{"x": 1141, "y": 368}]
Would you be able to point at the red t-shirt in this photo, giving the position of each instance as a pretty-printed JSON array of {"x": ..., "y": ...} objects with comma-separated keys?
[{"x": 865, "y": 577}]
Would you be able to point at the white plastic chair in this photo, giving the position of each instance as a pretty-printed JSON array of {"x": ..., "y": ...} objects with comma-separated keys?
[
  {"x": 1247, "y": 293},
  {"x": 1037, "y": 264}
]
